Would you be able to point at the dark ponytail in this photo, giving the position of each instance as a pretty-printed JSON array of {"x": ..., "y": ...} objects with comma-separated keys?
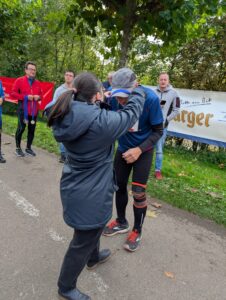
[
  {"x": 60, "y": 108},
  {"x": 86, "y": 85}
]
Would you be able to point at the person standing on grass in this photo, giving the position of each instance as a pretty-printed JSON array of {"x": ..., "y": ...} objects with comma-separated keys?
[
  {"x": 88, "y": 181},
  {"x": 27, "y": 90},
  {"x": 2, "y": 160},
  {"x": 170, "y": 104},
  {"x": 135, "y": 151},
  {"x": 66, "y": 86}
]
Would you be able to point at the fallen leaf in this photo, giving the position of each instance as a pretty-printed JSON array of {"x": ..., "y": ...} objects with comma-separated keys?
[
  {"x": 214, "y": 195},
  {"x": 169, "y": 275},
  {"x": 181, "y": 174},
  {"x": 156, "y": 204},
  {"x": 7, "y": 143},
  {"x": 151, "y": 214}
]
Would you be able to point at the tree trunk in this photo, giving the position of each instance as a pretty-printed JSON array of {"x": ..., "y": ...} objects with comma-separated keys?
[{"x": 129, "y": 22}]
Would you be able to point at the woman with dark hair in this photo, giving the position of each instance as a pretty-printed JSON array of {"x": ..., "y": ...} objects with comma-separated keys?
[{"x": 88, "y": 182}]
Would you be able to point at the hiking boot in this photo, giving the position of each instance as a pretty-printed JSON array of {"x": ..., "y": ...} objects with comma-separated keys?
[
  {"x": 158, "y": 175},
  {"x": 2, "y": 160},
  {"x": 30, "y": 152},
  {"x": 104, "y": 255},
  {"x": 133, "y": 241},
  {"x": 62, "y": 158},
  {"x": 19, "y": 152},
  {"x": 115, "y": 227},
  {"x": 74, "y": 294}
]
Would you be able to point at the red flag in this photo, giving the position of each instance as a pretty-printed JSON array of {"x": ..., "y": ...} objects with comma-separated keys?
[{"x": 47, "y": 89}]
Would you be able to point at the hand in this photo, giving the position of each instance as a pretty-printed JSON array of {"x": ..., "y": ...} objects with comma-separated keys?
[
  {"x": 132, "y": 155},
  {"x": 1, "y": 101},
  {"x": 30, "y": 97},
  {"x": 36, "y": 97},
  {"x": 107, "y": 94}
]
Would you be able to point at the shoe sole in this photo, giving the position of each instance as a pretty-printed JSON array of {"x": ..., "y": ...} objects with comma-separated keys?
[
  {"x": 126, "y": 247},
  {"x": 19, "y": 155},
  {"x": 117, "y": 232},
  {"x": 99, "y": 262},
  {"x": 28, "y": 154}
]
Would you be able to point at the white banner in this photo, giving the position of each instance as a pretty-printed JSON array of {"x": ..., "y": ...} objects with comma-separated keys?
[{"x": 202, "y": 117}]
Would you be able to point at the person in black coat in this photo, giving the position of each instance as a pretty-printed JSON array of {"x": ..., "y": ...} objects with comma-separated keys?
[{"x": 88, "y": 182}]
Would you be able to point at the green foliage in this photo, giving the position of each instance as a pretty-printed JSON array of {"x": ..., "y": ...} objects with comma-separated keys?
[
  {"x": 124, "y": 21},
  {"x": 194, "y": 182}
]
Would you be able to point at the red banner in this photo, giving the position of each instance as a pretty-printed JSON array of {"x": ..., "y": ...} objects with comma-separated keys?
[{"x": 47, "y": 89}]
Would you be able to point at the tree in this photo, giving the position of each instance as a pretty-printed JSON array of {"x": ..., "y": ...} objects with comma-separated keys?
[{"x": 126, "y": 20}]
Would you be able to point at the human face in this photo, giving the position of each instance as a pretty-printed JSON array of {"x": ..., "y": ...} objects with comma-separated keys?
[
  {"x": 163, "y": 81},
  {"x": 69, "y": 77},
  {"x": 110, "y": 79},
  {"x": 30, "y": 71},
  {"x": 122, "y": 100}
]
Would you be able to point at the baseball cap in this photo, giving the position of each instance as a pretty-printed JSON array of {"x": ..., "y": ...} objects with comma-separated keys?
[{"x": 123, "y": 82}]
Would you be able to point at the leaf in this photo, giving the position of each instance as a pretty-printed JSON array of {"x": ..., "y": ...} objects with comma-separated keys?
[
  {"x": 221, "y": 166},
  {"x": 156, "y": 204},
  {"x": 214, "y": 195},
  {"x": 169, "y": 275},
  {"x": 151, "y": 214}
]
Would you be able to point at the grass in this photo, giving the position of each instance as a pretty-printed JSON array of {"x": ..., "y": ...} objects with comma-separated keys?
[{"x": 192, "y": 181}]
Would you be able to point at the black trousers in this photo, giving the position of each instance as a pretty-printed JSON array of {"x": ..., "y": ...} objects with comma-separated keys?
[
  {"x": 21, "y": 127},
  {"x": 83, "y": 247},
  {"x": 141, "y": 169}
]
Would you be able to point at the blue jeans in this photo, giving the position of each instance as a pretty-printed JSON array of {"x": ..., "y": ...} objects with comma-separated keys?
[
  {"x": 62, "y": 149},
  {"x": 159, "y": 151}
]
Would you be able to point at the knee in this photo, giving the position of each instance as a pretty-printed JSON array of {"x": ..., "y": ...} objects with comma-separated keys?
[
  {"x": 122, "y": 186},
  {"x": 139, "y": 195}
]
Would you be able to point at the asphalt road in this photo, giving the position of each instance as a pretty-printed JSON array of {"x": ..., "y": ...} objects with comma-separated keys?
[{"x": 182, "y": 257}]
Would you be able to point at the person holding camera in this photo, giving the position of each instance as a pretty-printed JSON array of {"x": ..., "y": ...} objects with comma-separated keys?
[{"x": 170, "y": 104}]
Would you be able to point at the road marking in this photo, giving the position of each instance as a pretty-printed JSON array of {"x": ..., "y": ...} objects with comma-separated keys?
[
  {"x": 101, "y": 285},
  {"x": 23, "y": 204},
  {"x": 55, "y": 236}
]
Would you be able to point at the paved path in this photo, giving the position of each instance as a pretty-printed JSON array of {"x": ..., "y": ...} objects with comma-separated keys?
[{"x": 34, "y": 239}]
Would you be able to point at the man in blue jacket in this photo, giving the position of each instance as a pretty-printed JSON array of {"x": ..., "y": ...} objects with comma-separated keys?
[
  {"x": 2, "y": 160},
  {"x": 135, "y": 151}
]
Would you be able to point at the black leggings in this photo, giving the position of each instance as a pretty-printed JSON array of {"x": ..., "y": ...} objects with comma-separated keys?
[
  {"x": 21, "y": 127},
  {"x": 141, "y": 169}
]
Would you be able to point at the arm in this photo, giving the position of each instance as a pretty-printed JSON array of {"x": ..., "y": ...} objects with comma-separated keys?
[
  {"x": 133, "y": 154},
  {"x": 116, "y": 124},
  {"x": 175, "y": 109},
  {"x": 156, "y": 131},
  {"x": 55, "y": 97},
  {"x": 149, "y": 143},
  {"x": 16, "y": 93},
  {"x": 1, "y": 94}
]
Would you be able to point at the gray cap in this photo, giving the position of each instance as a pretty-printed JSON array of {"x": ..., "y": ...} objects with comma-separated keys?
[{"x": 123, "y": 82}]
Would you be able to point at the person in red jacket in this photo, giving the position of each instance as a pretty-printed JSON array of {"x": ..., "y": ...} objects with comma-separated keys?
[{"x": 27, "y": 90}]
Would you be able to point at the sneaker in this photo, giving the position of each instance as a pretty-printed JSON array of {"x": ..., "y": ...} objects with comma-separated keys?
[
  {"x": 133, "y": 241},
  {"x": 104, "y": 255},
  {"x": 115, "y": 227},
  {"x": 19, "y": 152},
  {"x": 158, "y": 175},
  {"x": 29, "y": 151},
  {"x": 2, "y": 160},
  {"x": 62, "y": 158},
  {"x": 74, "y": 294}
]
